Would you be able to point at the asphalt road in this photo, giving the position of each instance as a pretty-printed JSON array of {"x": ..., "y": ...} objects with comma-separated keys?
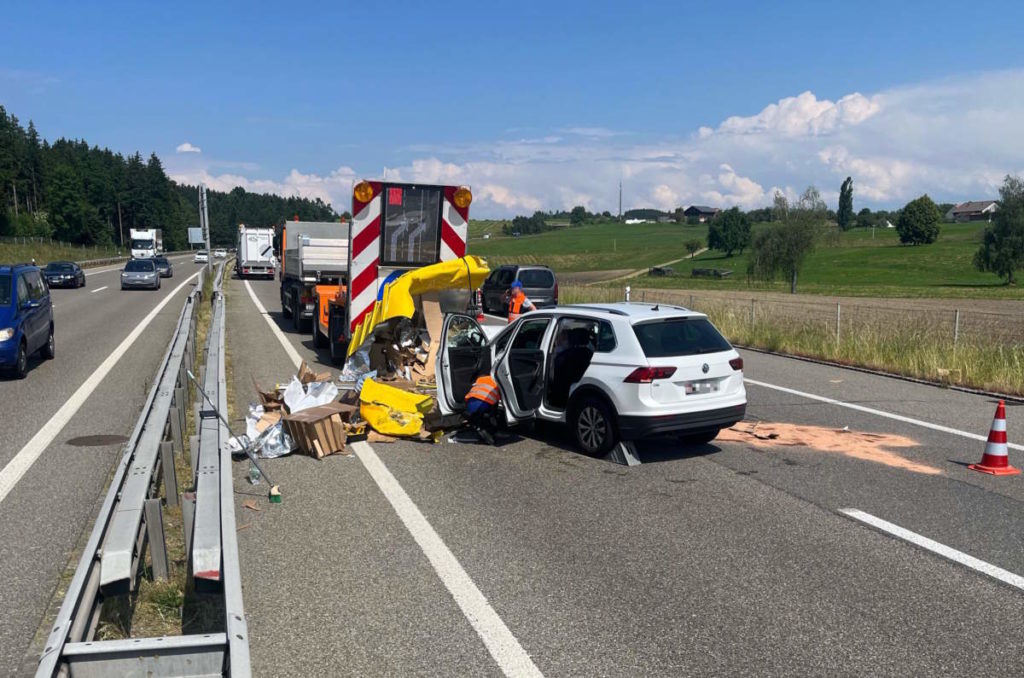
[
  {"x": 46, "y": 512},
  {"x": 728, "y": 559}
]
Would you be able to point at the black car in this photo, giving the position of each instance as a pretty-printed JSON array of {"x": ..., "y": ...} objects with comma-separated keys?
[
  {"x": 64, "y": 274},
  {"x": 163, "y": 265},
  {"x": 539, "y": 285}
]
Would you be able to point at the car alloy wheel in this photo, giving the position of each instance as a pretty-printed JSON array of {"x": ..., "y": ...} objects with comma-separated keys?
[
  {"x": 49, "y": 351},
  {"x": 21, "y": 366},
  {"x": 593, "y": 427}
]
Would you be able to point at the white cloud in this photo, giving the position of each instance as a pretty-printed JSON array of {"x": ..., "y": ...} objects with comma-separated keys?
[
  {"x": 187, "y": 148},
  {"x": 954, "y": 139}
]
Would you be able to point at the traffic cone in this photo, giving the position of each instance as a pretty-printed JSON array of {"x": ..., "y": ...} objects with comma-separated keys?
[
  {"x": 479, "y": 305},
  {"x": 995, "y": 459}
]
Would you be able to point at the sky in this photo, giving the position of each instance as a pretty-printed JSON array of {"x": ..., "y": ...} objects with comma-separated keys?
[{"x": 538, "y": 105}]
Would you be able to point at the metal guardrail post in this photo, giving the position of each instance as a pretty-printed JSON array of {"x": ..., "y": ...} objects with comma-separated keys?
[
  {"x": 157, "y": 542},
  {"x": 170, "y": 473}
]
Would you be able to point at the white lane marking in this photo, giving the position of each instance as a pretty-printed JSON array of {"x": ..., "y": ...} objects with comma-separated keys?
[
  {"x": 98, "y": 289},
  {"x": 289, "y": 349},
  {"x": 991, "y": 570},
  {"x": 34, "y": 448},
  {"x": 880, "y": 413},
  {"x": 503, "y": 646}
]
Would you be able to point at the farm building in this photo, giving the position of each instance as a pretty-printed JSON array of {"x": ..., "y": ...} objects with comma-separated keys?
[
  {"x": 974, "y": 210},
  {"x": 702, "y": 212}
]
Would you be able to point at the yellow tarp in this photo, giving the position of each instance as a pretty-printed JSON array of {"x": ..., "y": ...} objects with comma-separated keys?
[
  {"x": 467, "y": 273},
  {"x": 391, "y": 410}
]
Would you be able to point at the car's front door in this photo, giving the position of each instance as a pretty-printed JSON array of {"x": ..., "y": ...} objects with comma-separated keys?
[
  {"x": 520, "y": 372},
  {"x": 463, "y": 355}
]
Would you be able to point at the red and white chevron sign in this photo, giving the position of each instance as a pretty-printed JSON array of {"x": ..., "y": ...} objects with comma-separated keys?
[{"x": 365, "y": 271}]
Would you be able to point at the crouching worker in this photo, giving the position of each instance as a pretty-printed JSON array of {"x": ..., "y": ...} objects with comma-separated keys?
[{"x": 481, "y": 405}]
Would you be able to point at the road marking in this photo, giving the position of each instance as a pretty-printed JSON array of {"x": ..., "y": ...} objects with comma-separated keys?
[
  {"x": 503, "y": 646},
  {"x": 288, "y": 348},
  {"x": 98, "y": 289},
  {"x": 880, "y": 413},
  {"x": 34, "y": 448},
  {"x": 991, "y": 570}
]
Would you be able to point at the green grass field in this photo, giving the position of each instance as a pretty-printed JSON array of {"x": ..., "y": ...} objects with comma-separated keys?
[
  {"x": 12, "y": 253},
  {"x": 594, "y": 247}
]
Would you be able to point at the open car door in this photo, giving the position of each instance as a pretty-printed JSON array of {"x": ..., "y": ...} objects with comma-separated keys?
[
  {"x": 464, "y": 354},
  {"x": 520, "y": 371}
]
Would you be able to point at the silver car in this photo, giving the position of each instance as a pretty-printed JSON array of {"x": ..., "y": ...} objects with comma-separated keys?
[{"x": 140, "y": 273}]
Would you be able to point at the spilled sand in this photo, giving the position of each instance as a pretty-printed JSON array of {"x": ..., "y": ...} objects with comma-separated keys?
[{"x": 873, "y": 447}]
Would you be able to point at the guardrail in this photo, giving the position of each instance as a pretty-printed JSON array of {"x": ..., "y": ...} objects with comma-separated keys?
[{"x": 130, "y": 520}]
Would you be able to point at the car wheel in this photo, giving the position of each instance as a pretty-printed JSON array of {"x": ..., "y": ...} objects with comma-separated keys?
[
  {"x": 21, "y": 363},
  {"x": 699, "y": 438},
  {"x": 593, "y": 426},
  {"x": 48, "y": 351},
  {"x": 83, "y": 282}
]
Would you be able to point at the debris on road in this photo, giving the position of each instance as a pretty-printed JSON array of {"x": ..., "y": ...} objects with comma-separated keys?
[{"x": 251, "y": 505}]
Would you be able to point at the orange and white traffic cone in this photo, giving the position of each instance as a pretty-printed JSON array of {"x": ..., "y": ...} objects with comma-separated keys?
[
  {"x": 479, "y": 305},
  {"x": 995, "y": 460}
]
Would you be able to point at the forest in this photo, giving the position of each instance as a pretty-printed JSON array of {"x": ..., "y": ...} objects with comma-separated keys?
[{"x": 73, "y": 192}]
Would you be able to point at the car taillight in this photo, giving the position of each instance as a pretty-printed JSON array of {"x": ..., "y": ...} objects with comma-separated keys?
[
  {"x": 645, "y": 375},
  {"x": 736, "y": 364}
]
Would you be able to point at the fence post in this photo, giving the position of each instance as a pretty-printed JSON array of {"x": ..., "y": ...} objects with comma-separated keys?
[
  {"x": 956, "y": 326},
  {"x": 627, "y": 292},
  {"x": 838, "y": 317},
  {"x": 752, "y": 312},
  {"x": 691, "y": 302}
]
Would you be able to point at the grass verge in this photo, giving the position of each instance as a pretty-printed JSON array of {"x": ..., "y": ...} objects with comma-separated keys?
[
  {"x": 11, "y": 252},
  {"x": 909, "y": 344}
]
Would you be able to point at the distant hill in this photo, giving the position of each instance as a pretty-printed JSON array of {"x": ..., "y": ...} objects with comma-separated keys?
[
  {"x": 77, "y": 193},
  {"x": 645, "y": 213}
]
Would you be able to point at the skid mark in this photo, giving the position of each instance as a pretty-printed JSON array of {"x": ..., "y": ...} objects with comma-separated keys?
[{"x": 874, "y": 447}]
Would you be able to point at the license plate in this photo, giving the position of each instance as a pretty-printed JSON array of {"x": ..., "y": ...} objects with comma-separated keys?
[{"x": 701, "y": 387}]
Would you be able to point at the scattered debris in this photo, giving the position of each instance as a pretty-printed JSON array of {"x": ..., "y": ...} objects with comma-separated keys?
[{"x": 251, "y": 505}]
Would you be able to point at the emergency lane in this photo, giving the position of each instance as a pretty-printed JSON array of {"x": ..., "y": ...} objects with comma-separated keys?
[
  {"x": 54, "y": 499},
  {"x": 730, "y": 557}
]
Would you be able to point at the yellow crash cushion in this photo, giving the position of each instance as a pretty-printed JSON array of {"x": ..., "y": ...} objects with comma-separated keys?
[
  {"x": 391, "y": 410},
  {"x": 397, "y": 301}
]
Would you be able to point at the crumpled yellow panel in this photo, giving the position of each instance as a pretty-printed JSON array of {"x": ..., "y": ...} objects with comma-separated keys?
[
  {"x": 391, "y": 410},
  {"x": 398, "y": 301}
]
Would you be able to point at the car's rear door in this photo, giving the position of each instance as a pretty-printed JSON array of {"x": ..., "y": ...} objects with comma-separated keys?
[{"x": 521, "y": 370}]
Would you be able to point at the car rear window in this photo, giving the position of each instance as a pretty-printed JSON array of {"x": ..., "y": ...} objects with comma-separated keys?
[
  {"x": 679, "y": 337},
  {"x": 537, "y": 277},
  {"x": 5, "y": 290},
  {"x": 139, "y": 266}
]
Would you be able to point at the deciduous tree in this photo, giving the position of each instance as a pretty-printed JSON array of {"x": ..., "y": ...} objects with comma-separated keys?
[
  {"x": 729, "y": 231},
  {"x": 1002, "y": 244},
  {"x": 919, "y": 222},
  {"x": 844, "y": 215},
  {"x": 782, "y": 247}
]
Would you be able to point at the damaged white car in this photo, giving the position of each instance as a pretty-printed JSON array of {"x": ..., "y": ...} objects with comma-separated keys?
[{"x": 610, "y": 371}]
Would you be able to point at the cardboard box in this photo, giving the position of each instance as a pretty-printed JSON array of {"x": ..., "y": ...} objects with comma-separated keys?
[
  {"x": 307, "y": 375},
  {"x": 319, "y": 431},
  {"x": 271, "y": 400}
]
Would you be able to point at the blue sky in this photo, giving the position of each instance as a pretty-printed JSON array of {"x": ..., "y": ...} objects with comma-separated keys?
[{"x": 542, "y": 105}]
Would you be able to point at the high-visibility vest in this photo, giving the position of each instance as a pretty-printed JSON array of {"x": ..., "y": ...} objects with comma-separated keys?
[
  {"x": 515, "y": 306},
  {"x": 485, "y": 389}
]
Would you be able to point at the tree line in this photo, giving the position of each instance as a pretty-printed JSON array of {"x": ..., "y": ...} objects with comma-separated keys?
[{"x": 73, "y": 192}]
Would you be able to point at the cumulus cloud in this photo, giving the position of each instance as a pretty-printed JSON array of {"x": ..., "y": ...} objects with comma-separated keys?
[
  {"x": 187, "y": 148},
  {"x": 954, "y": 139}
]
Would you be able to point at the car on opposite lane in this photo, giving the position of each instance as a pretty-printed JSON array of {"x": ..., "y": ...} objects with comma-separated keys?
[
  {"x": 140, "y": 274},
  {"x": 201, "y": 257},
  {"x": 610, "y": 371},
  {"x": 26, "y": 317},
  {"x": 64, "y": 274},
  {"x": 163, "y": 265},
  {"x": 220, "y": 253}
]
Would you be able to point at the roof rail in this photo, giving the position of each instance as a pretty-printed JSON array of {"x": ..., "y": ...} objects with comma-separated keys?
[{"x": 587, "y": 307}]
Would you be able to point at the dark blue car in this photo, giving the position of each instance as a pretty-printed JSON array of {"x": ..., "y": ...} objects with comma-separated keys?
[{"x": 26, "y": 317}]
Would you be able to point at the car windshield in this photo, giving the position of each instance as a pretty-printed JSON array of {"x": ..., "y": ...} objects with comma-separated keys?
[
  {"x": 5, "y": 290},
  {"x": 679, "y": 337},
  {"x": 161, "y": 261},
  {"x": 139, "y": 244},
  {"x": 537, "y": 277},
  {"x": 139, "y": 266},
  {"x": 201, "y": 253},
  {"x": 59, "y": 267}
]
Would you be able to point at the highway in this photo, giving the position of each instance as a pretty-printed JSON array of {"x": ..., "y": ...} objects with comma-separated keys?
[
  {"x": 50, "y": 484},
  {"x": 813, "y": 553}
]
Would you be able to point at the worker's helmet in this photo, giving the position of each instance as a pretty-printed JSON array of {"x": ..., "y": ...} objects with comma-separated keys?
[{"x": 516, "y": 284}]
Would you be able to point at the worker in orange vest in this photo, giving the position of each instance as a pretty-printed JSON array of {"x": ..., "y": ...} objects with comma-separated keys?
[
  {"x": 518, "y": 303},
  {"x": 481, "y": 402}
]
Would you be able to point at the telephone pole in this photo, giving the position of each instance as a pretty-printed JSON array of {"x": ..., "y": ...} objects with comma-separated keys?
[
  {"x": 204, "y": 223},
  {"x": 620, "y": 199}
]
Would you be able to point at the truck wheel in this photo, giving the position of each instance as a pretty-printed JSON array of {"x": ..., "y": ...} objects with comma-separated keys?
[
  {"x": 318, "y": 339},
  {"x": 296, "y": 313},
  {"x": 284, "y": 307}
]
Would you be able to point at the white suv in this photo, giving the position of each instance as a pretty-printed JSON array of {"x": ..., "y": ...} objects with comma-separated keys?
[{"x": 610, "y": 371}]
